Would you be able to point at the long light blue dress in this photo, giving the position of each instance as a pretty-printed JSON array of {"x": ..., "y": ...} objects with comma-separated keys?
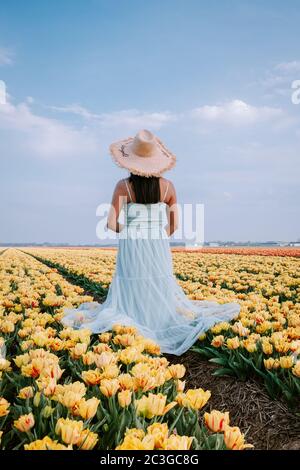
[{"x": 144, "y": 292}]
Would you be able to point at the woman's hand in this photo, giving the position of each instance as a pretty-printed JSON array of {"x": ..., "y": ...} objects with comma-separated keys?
[{"x": 116, "y": 228}]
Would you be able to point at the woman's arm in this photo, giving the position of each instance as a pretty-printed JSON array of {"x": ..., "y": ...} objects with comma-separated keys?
[
  {"x": 172, "y": 211},
  {"x": 117, "y": 203}
]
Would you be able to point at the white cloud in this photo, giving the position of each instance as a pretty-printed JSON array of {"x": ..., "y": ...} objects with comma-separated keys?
[
  {"x": 75, "y": 109},
  {"x": 278, "y": 80},
  {"x": 129, "y": 118},
  {"x": 52, "y": 138},
  {"x": 227, "y": 195},
  {"x": 6, "y": 56},
  {"x": 135, "y": 119},
  {"x": 288, "y": 67},
  {"x": 235, "y": 112},
  {"x": 43, "y": 136}
]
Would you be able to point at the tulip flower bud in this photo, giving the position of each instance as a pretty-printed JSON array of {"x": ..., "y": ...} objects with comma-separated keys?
[
  {"x": 37, "y": 399},
  {"x": 47, "y": 411}
]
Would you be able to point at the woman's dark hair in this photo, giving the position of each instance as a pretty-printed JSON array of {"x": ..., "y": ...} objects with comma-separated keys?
[{"x": 146, "y": 189}]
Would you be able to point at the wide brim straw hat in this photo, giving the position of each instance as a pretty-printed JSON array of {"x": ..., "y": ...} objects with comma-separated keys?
[{"x": 143, "y": 155}]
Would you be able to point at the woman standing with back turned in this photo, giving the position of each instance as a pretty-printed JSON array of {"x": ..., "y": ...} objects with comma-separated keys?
[{"x": 144, "y": 292}]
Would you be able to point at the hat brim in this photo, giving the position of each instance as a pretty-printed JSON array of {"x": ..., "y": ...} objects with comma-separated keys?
[{"x": 155, "y": 165}]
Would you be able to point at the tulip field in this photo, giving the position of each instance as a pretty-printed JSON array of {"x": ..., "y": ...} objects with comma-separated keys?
[
  {"x": 66, "y": 389},
  {"x": 265, "y": 340}
]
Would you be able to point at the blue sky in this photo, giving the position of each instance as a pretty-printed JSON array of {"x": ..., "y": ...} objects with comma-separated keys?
[{"x": 212, "y": 79}]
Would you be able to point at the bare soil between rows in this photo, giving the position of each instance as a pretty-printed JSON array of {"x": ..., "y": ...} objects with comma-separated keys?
[{"x": 268, "y": 423}]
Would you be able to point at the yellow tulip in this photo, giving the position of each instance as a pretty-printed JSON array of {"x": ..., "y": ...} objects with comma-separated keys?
[
  {"x": 47, "y": 385},
  {"x": 160, "y": 433},
  {"x": 133, "y": 443},
  {"x": 25, "y": 345},
  {"x": 56, "y": 344},
  {"x": 195, "y": 399},
  {"x": 216, "y": 421},
  {"x": 233, "y": 343},
  {"x": 249, "y": 345},
  {"x": 126, "y": 382},
  {"x": 26, "y": 392},
  {"x": 75, "y": 387},
  {"x": 271, "y": 363},
  {"x": 202, "y": 337},
  {"x": 135, "y": 432},
  {"x": 217, "y": 341},
  {"x": 24, "y": 423},
  {"x": 88, "y": 408},
  {"x": 109, "y": 387},
  {"x": 33, "y": 369},
  {"x": 45, "y": 444},
  {"x": 69, "y": 430},
  {"x": 91, "y": 377},
  {"x": 21, "y": 360},
  {"x": 124, "y": 340},
  {"x": 4, "y": 364},
  {"x": 87, "y": 440},
  {"x": 144, "y": 382},
  {"x": 176, "y": 442},
  {"x": 88, "y": 358},
  {"x": 121, "y": 330},
  {"x": 281, "y": 346},
  {"x": 70, "y": 399},
  {"x": 295, "y": 370},
  {"x": 4, "y": 407},
  {"x": 234, "y": 439},
  {"x": 223, "y": 326},
  {"x": 129, "y": 355},
  {"x": 7, "y": 326},
  {"x": 153, "y": 405},
  {"x": 78, "y": 350},
  {"x": 105, "y": 359},
  {"x": 140, "y": 369},
  {"x": 286, "y": 362},
  {"x": 267, "y": 347},
  {"x": 40, "y": 339},
  {"x": 53, "y": 371},
  {"x": 124, "y": 398},
  {"x": 180, "y": 385},
  {"x": 295, "y": 346},
  {"x": 110, "y": 372},
  {"x": 105, "y": 337},
  {"x": 177, "y": 371},
  {"x": 151, "y": 347},
  {"x": 101, "y": 347}
]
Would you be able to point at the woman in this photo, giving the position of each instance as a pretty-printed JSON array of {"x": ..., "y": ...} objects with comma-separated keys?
[{"x": 144, "y": 292}]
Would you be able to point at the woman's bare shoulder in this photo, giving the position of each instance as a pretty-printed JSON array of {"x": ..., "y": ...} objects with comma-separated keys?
[
  {"x": 168, "y": 190},
  {"x": 166, "y": 181},
  {"x": 167, "y": 184},
  {"x": 120, "y": 185}
]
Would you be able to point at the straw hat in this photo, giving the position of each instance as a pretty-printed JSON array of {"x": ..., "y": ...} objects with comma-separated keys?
[{"x": 143, "y": 155}]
